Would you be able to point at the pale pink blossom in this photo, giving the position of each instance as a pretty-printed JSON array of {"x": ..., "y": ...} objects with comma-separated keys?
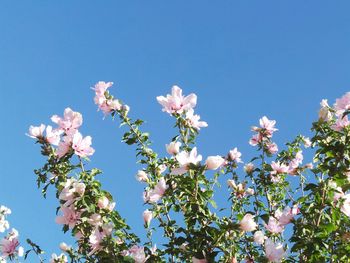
[
  {"x": 278, "y": 168},
  {"x": 274, "y": 251},
  {"x": 287, "y": 215},
  {"x": 249, "y": 168},
  {"x": 62, "y": 258},
  {"x": 295, "y": 162},
  {"x": 247, "y": 223},
  {"x": 341, "y": 123},
  {"x": 147, "y": 217},
  {"x": 268, "y": 126},
  {"x": 176, "y": 102},
  {"x": 214, "y": 162},
  {"x": 307, "y": 142},
  {"x": 185, "y": 159},
  {"x": 53, "y": 136},
  {"x": 235, "y": 155},
  {"x": 101, "y": 87},
  {"x": 256, "y": 139},
  {"x": 173, "y": 148},
  {"x": 259, "y": 237},
  {"x": 9, "y": 245},
  {"x": 137, "y": 253},
  {"x": 103, "y": 202},
  {"x": 64, "y": 146},
  {"x": 36, "y": 132},
  {"x": 70, "y": 122},
  {"x": 157, "y": 193},
  {"x": 274, "y": 226},
  {"x": 343, "y": 104},
  {"x": 141, "y": 176},
  {"x": 82, "y": 146},
  {"x": 64, "y": 247},
  {"x": 272, "y": 148},
  {"x": 95, "y": 220},
  {"x": 70, "y": 216},
  {"x": 193, "y": 120},
  {"x": 324, "y": 113}
]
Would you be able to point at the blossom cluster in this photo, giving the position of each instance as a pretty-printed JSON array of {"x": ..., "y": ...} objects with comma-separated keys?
[{"x": 9, "y": 245}]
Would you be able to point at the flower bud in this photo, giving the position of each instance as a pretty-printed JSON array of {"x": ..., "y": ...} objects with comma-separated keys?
[
  {"x": 141, "y": 176},
  {"x": 214, "y": 162},
  {"x": 147, "y": 217},
  {"x": 173, "y": 148}
]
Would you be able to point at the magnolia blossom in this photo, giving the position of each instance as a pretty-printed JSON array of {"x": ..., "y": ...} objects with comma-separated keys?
[
  {"x": 272, "y": 148},
  {"x": 137, "y": 253},
  {"x": 156, "y": 194},
  {"x": 176, "y": 102},
  {"x": 341, "y": 123},
  {"x": 274, "y": 226},
  {"x": 259, "y": 237},
  {"x": 141, "y": 176},
  {"x": 70, "y": 216},
  {"x": 235, "y": 155},
  {"x": 36, "y": 131},
  {"x": 274, "y": 251},
  {"x": 185, "y": 159},
  {"x": 70, "y": 122},
  {"x": 287, "y": 215},
  {"x": 249, "y": 168},
  {"x": 82, "y": 146},
  {"x": 58, "y": 258},
  {"x": 64, "y": 146},
  {"x": 9, "y": 245},
  {"x": 343, "y": 104},
  {"x": 72, "y": 190},
  {"x": 268, "y": 125},
  {"x": 53, "y": 136},
  {"x": 247, "y": 223},
  {"x": 193, "y": 120},
  {"x": 64, "y": 247},
  {"x": 256, "y": 139},
  {"x": 173, "y": 148},
  {"x": 278, "y": 168},
  {"x": 214, "y": 162},
  {"x": 147, "y": 216},
  {"x": 324, "y": 113}
]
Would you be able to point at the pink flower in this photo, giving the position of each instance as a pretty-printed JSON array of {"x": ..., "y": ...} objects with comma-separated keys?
[
  {"x": 278, "y": 168},
  {"x": 147, "y": 217},
  {"x": 157, "y": 193},
  {"x": 307, "y": 142},
  {"x": 36, "y": 132},
  {"x": 70, "y": 122},
  {"x": 259, "y": 237},
  {"x": 9, "y": 245},
  {"x": 256, "y": 139},
  {"x": 137, "y": 253},
  {"x": 247, "y": 223},
  {"x": 173, "y": 148},
  {"x": 176, "y": 102},
  {"x": 62, "y": 258},
  {"x": 274, "y": 252},
  {"x": 249, "y": 168},
  {"x": 185, "y": 159},
  {"x": 81, "y": 146},
  {"x": 285, "y": 217},
  {"x": 343, "y": 104},
  {"x": 64, "y": 146},
  {"x": 141, "y": 176},
  {"x": 235, "y": 155},
  {"x": 272, "y": 148},
  {"x": 53, "y": 136},
  {"x": 193, "y": 120},
  {"x": 101, "y": 87},
  {"x": 341, "y": 123},
  {"x": 70, "y": 216},
  {"x": 268, "y": 126},
  {"x": 274, "y": 226},
  {"x": 294, "y": 164},
  {"x": 103, "y": 202},
  {"x": 214, "y": 162}
]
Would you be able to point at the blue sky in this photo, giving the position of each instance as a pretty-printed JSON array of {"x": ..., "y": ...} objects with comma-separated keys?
[{"x": 244, "y": 59}]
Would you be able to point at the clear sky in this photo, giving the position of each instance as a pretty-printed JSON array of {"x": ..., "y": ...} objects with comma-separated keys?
[{"x": 244, "y": 59}]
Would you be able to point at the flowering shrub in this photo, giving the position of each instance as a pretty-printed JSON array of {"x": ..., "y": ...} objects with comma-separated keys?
[{"x": 268, "y": 218}]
